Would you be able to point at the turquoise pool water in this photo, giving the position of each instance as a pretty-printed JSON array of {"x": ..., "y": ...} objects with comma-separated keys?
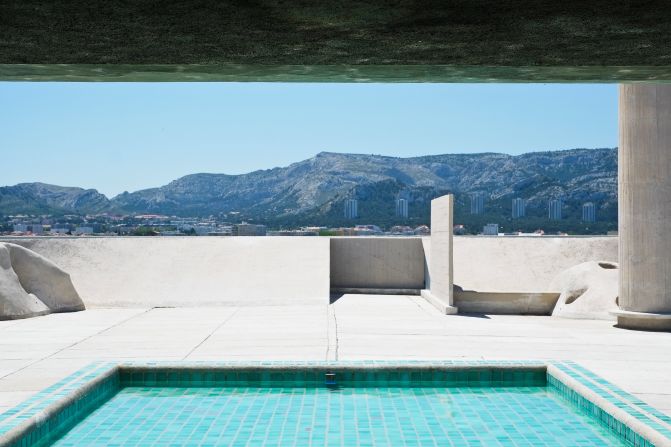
[{"x": 356, "y": 416}]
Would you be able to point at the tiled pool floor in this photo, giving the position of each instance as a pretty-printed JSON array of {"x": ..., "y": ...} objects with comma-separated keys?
[{"x": 488, "y": 417}]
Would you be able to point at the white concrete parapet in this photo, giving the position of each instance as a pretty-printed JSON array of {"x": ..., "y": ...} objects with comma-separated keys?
[{"x": 192, "y": 271}]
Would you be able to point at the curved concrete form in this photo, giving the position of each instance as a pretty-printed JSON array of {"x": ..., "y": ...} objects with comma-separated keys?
[
  {"x": 645, "y": 207},
  {"x": 588, "y": 291},
  {"x": 31, "y": 285}
]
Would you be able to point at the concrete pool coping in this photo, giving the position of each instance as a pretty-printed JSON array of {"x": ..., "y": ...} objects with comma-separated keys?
[{"x": 62, "y": 405}]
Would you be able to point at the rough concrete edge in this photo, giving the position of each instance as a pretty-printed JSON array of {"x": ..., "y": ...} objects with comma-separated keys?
[
  {"x": 643, "y": 321},
  {"x": 438, "y": 303},
  {"x": 374, "y": 291},
  {"x": 623, "y": 416},
  {"x": 28, "y": 315},
  {"x": 131, "y": 367},
  {"x": 15, "y": 434},
  {"x": 505, "y": 299}
]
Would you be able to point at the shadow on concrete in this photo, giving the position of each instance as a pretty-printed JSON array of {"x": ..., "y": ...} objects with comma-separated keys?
[
  {"x": 335, "y": 297},
  {"x": 475, "y": 315}
]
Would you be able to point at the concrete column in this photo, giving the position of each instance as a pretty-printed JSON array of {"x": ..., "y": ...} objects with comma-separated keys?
[
  {"x": 440, "y": 272},
  {"x": 645, "y": 207}
]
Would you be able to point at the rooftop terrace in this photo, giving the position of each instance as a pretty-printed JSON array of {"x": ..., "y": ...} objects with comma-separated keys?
[{"x": 37, "y": 352}]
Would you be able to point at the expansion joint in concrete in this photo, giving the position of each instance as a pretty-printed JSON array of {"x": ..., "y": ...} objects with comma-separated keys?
[
  {"x": 331, "y": 333},
  {"x": 219, "y": 326}
]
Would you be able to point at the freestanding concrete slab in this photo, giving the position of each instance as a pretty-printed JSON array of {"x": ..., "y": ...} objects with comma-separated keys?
[{"x": 440, "y": 272}]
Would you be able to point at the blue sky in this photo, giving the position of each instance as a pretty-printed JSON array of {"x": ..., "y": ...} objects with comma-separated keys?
[{"x": 126, "y": 136}]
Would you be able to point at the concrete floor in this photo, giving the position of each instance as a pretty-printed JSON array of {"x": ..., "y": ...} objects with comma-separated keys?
[{"x": 37, "y": 352}]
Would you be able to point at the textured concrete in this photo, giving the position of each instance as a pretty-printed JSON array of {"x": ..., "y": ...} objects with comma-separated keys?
[
  {"x": 523, "y": 264},
  {"x": 31, "y": 285},
  {"x": 15, "y": 302},
  {"x": 505, "y": 303},
  {"x": 588, "y": 290},
  {"x": 439, "y": 277},
  {"x": 180, "y": 271},
  {"x": 645, "y": 206},
  {"x": 37, "y": 352},
  {"x": 219, "y": 271},
  {"x": 377, "y": 263}
]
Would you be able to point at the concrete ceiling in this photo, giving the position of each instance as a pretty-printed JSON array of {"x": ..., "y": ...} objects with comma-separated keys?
[{"x": 344, "y": 40}]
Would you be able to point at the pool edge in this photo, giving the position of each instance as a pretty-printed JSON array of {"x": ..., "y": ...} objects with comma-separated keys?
[{"x": 83, "y": 396}]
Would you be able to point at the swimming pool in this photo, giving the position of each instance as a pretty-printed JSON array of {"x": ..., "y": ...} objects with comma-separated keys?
[{"x": 336, "y": 404}]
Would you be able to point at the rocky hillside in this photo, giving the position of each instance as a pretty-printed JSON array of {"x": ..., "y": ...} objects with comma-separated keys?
[
  {"x": 41, "y": 198},
  {"x": 314, "y": 189},
  {"x": 309, "y": 185}
]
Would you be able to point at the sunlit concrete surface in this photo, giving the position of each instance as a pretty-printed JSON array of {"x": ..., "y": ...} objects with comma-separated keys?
[
  {"x": 237, "y": 271},
  {"x": 37, "y": 352}
]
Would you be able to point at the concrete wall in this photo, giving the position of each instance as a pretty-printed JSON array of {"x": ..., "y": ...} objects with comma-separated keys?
[
  {"x": 377, "y": 263},
  {"x": 191, "y": 271},
  {"x": 523, "y": 264},
  {"x": 505, "y": 303},
  {"x": 167, "y": 271}
]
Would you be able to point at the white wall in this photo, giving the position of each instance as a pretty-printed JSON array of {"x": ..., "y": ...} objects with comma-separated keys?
[
  {"x": 377, "y": 263},
  {"x": 184, "y": 271},
  {"x": 523, "y": 264}
]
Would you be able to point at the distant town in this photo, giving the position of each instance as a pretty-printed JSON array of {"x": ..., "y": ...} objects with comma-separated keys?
[{"x": 161, "y": 225}]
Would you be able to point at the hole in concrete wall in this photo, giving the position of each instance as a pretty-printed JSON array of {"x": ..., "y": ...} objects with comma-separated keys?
[
  {"x": 607, "y": 265},
  {"x": 617, "y": 300},
  {"x": 575, "y": 295}
]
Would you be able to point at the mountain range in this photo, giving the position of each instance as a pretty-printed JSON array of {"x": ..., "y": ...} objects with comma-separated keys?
[{"x": 312, "y": 191}]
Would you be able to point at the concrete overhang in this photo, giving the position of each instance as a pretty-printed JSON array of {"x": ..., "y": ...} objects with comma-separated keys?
[{"x": 343, "y": 41}]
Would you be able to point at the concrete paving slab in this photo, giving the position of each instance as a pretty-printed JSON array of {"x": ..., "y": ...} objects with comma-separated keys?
[{"x": 38, "y": 352}]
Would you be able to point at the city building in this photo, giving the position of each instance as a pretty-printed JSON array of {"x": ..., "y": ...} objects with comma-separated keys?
[
  {"x": 519, "y": 208},
  {"x": 422, "y": 230},
  {"x": 204, "y": 230},
  {"x": 83, "y": 230},
  {"x": 367, "y": 230},
  {"x": 589, "y": 212},
  {"x": 554, "y": 209},
  {"x": 351, "y": 209},
  {"x": 402, "y": 208},
  {"x": 247, "y": 229},
  {"x": 401, "y": 230},
  {"x": 491, "y": 229},
  {"x": 477, "y": 203},
  {"x": 293, "y": 233},
  {"x": 221, "y": 231},
  {"x": 61, "y": 228},
  {"x": 459, "y": 229},
  {"x": 344, "y": 232},
  {"x": 20, "y": 228}
]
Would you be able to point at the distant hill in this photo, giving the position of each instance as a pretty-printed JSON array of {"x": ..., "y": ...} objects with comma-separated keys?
[
  {"x": 313, "y": 191},
  {"x": 41, "y": 198}
]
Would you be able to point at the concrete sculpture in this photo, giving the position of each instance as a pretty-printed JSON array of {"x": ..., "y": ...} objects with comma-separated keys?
[
  {"x": 588, "y": 290},
  {"x": 31, "y": 285}
]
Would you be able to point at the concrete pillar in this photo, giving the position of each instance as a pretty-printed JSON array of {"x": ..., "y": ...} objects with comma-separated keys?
[
  {"x": 440, "y": 272},
  {"x": 645, "y": 207}
]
